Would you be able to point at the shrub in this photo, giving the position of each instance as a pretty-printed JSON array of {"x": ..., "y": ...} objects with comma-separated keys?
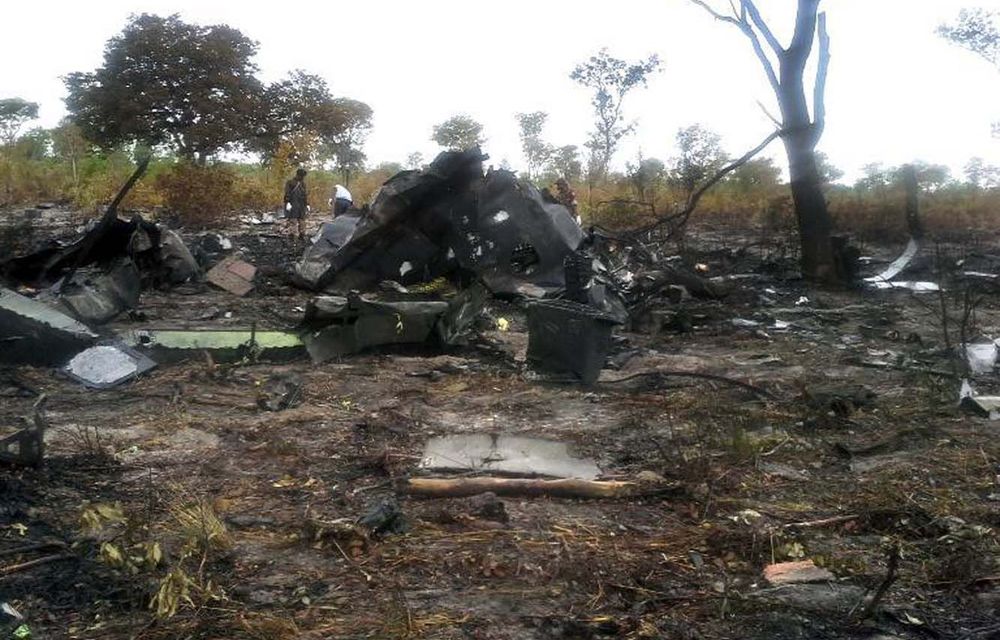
[{"x": 198, "y": 196}]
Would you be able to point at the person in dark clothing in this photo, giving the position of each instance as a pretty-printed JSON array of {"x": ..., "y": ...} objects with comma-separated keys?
[
  {"x": 297, "y": 202},
  {"x": 567, "y": 197}
]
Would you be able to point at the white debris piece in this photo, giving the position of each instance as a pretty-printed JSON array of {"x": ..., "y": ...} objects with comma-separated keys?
[{"x": 102, "y": 365}]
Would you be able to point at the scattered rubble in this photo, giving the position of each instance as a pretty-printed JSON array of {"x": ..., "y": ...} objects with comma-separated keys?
[
  {"x": 753, "y": 436},
  {"x": 508, "y": 455},
  {"x": 34, "y": 333},
  {"x": 567, "y": 337},
  {"x": 234, "y": 275},
  {"x": 223, "y": 346},
  {"x": 352, "y": 324},
  {"x": 801, "y": 572},
  {"x": 383, "y": 518},
  {"x": 280, "y": 392},
  {"x": 447, "y": 219},
  {"x": 106, "y": 366},
  {"x": 27, "y": 446}
]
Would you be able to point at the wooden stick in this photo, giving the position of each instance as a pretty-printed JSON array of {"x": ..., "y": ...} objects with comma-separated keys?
[
  {"x": 825, "y": 522},
  {"x": 565, "y": 488},
  {"x": 892, "y": 572},
  {"x": 664, "y": 373},
  {"x": 32, "y": 547},
  {"x": 14, "y": 568}
]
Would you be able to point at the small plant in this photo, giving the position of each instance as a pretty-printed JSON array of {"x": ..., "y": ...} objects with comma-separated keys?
[
  {"x": 193, "y": 531},
  {"x": 89, "y": 442}
]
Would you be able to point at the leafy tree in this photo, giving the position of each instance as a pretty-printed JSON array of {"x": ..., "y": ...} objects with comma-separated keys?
[
  {"x": 536, "y": 151},
  {"x": 701, "y": 156},
  {"x": 930, "y": 176},
  {"x": 390, "y": 168},
  {"x": 646, "y": 175},
  {"x": 564, "y": 162},
  {"x": 977, "y": 31},
  {"x": 300, "y": 115},
  {"x": 165, "y": 82},
  {"x": 415, "y": 160},
  {"x": 69, "y": 144},
  {"x": 611, "y": 79},
  {"x": 35, "y": 144},
  {"x": 349, "y": 129},
  {"x": 757, "y": 175},
  {"x": 828, "y": 173},
  {"x": 982, "y": 175},
  {"x": 14, "y": 114},
  {"x": 875, "y": 176},
  {"x": 801, "y": 130},
  {"x": 458, "y": 133}
]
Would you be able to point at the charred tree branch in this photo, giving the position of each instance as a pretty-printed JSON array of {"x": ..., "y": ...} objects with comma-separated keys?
[
  {"x": 741, "y": 22},
  {"x": 892, "y": 572},
  {"x": 819, "y": 90},
  {"x": 805, "y": 31},
  {"x": 765, "y": 30},
  {"x": 110, "y": 215},
  {"x": 716, "y": 14},
  {"x": 680, "y": 218}
]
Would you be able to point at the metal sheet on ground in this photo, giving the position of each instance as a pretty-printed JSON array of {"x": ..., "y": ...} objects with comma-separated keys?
[
  {"x": 106, "y": 366},
  {"x": 513, "y": 455}
]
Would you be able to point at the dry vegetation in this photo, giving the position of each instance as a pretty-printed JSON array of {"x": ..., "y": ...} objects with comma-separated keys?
[{"x": 184, "y": 510}]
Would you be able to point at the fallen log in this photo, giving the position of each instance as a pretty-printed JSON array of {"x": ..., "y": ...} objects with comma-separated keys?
[{"x": 564, "y": 488}]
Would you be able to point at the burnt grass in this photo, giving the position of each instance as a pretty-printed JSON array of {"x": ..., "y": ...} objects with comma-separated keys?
[{"x": 818, "y": 472}]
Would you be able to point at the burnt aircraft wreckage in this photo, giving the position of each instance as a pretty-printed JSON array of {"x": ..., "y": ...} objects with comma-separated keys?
[
  {"x": 453, "y": 220},
  {"x": 486, "y": 232}
]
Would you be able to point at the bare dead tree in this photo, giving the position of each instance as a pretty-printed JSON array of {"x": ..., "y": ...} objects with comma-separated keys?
[{"x": 800, "y": 131}]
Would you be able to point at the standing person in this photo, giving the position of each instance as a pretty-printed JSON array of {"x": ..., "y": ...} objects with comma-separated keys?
[
  {"x": 567, "y": 197},
  {"x": 297, "y": 202},
  {"x": 341, "y": 200}
]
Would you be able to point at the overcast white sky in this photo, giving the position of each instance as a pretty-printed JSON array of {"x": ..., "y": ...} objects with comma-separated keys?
[{"x": 897, "y": 92}]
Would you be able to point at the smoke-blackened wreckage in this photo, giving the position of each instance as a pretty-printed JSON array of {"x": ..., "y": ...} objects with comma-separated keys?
[
  {"x": 417, "y": 265},
  {"x": 489, "y": 234},
  {"x": 455, "y": 272}
]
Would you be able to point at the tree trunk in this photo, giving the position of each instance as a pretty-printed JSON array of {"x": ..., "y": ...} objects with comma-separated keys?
[
  {"x": 802, "y": 133},
  {"x": 811, "y": 211},
  {"x": 912, "y": 202}
]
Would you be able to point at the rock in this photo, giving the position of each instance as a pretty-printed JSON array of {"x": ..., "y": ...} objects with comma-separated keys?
[
  {"x": 796, "y": 573},
  {"x": 280, "y": 392},
  {"x": 783, "y": 471},
  {"x": 383, "y": 518},
  {"x": 488, "y": 507},
  {"x": 650, "y": 478},
  {"x": 829, "y": 598}
]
